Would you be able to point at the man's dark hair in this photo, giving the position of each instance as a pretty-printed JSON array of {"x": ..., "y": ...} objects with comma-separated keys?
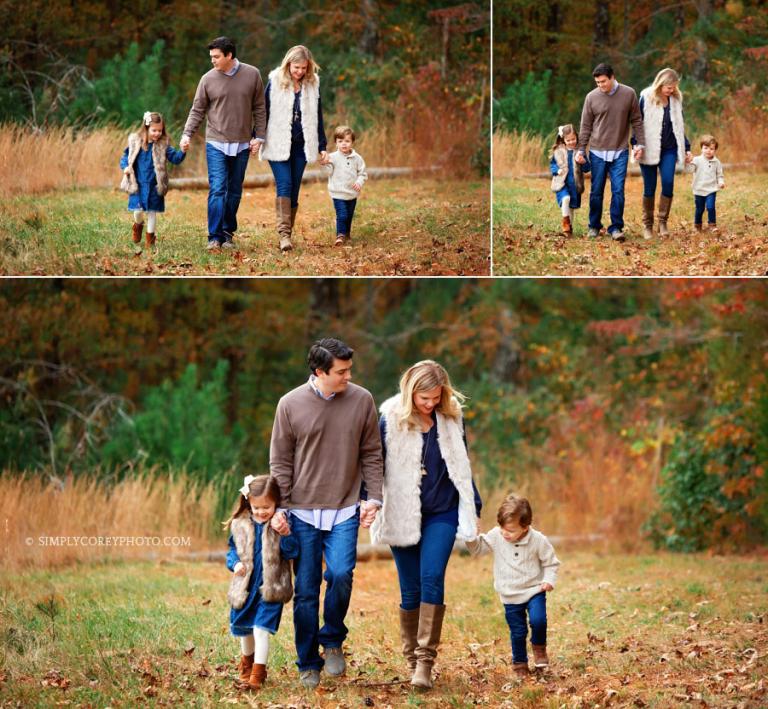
[
  {"x": 225, "y": 44},
  {"x": 323, "y": 352},
  {"x": 603, "y": 69}
]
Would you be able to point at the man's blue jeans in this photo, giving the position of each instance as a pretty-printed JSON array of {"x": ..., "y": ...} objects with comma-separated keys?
[
  {"x": 536, "y": 608},
  {"x": 701, "y": 203},
  {"x": 339, "y": 546},
  {"x": 288, "y": 173},
  {"x": 616, "y": 171},
  {"x": 225, "y": 188},
  {"x": 421, "y": 567},
  {"x": 666, "y": 168},
  {"x": 345, "y": 210}
]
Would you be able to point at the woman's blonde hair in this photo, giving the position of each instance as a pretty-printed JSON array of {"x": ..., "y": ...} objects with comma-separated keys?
[
  {"x": 423, "y": 376},
  {"x": 299, "y": 53},
  {"x": 666, "y": 77}
]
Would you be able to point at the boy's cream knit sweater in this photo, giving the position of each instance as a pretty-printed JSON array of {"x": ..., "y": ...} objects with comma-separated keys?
[{"x": 519, "y": 568}]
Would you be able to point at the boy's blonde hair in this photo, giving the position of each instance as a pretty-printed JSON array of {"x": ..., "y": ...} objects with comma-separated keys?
[
  {"x": 299, "y": 53},
  {"x": 708, "y": 140},
  {"x": 666, "y": 77},
  {"x": 515, "y": 509},
  {"x": 423, "y": 376},
  {"x": 343, "y": 132}
]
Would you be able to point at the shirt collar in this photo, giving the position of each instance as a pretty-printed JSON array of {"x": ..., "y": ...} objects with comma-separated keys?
[
  {"x": 615, "y": 88},
  {"x": 234, "y": 68},
  {"x": 316, "y": 389}
]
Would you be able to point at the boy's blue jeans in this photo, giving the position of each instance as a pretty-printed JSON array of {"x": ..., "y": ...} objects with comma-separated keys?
[
  {"x": 701, "y": 203},
  {"x": 616, "y": 171},
  {"x": 421, "y": 567},
  {"x": 225, "y": 188},
  {"x": 665, "y": 168},
  {"x": 345, "y": 210},
  {"x": 288, "y": 173},
  {"x": 536, "y": 608},
  {"x": 339, "y": 546}
]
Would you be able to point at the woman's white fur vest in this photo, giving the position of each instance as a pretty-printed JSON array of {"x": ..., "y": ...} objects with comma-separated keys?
[
  {"x": 560, "y": 154},
  {"x": 398, "y": 523},
  {"x": 653, "y": 115},
  {"x": 276, "y": 571},
  {"x": 277, "y": 146},
  {"x": 129, "y": 183}
]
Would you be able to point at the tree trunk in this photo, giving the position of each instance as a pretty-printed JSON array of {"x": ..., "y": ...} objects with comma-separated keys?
[
  {"x": 324, "y": 306},
  {"x": 602, "y": 36},
  {"x": 369, "y": 39},
  {"x": 701, "y": 63}
]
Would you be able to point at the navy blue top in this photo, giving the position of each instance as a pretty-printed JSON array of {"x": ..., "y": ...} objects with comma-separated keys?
[
  {"x": 668, "y": 140},
  {"x": 439, "y": 496},
  {"x": 297, "y": 132}
]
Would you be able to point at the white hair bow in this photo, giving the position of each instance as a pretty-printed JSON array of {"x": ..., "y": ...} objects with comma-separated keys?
[
  {"x": 147, "y": 117},
  {"x": 560, "y": 131},
  {"x": 246, "y": 482}
]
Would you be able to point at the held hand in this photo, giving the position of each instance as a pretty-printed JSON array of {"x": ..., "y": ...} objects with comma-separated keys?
[
  {"x": 239, "y": 569},
  {"x": 478, "y": 532},
  {"x": 688, "y": 157},
  {"x": 184, "y": 143},
  {"x": 638, "y": 153},
  {"x": 280, "y": 524},
  {"x": 546, "y": 587},
  {"x": 580, "y": 159},
  {"x": 255, "y": 145},
  {"x": 127, "y": 171},
  {"x": 368, "y": 513},
  {"x": 356, "y": 187},
  {"x": 323, "y": 156},
  {"x": 722, "y": 185}
]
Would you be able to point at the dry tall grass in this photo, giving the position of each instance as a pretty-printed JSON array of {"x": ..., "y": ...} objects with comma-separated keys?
[
  {"x": 78, "y": 512},
  {"x": 515, "y": 154}
]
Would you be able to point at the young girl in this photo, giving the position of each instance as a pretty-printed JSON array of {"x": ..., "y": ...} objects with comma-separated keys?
[
  {"x": 524, "y": 570},
  {"x": 567, "y": 174},
  {"x": 261, "y": 583},
  {"x": 346, "y": 178},
  {"x": 145, "y": 177}
]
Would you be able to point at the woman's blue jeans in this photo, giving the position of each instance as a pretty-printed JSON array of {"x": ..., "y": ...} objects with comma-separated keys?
[
  {"x": 345, "y": 210},
  {"x": 421, "y": 567},
  {"x": 536, "y": 608},
  {"x": 665, "y": 168},
  {"x": 339, "y": 547},
  {"x": 288, "y": 173}
]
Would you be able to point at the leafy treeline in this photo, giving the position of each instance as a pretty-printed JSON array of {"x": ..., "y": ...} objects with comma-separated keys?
[
  {"x": 91, "y": 63},
  {"x": 720, "y": 49},
  {"x": 121, "y": 375}
]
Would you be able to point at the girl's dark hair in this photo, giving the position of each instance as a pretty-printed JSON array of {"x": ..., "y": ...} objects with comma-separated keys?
[
  {"x": 224, "y": 44},
  {"x": 560, "y": 139},
  {"x": 323, "y": 352},
  {"x": 154, "y": 117},
  {"x": 260, "y": 486},
  {"x": 515, "y": 509}
]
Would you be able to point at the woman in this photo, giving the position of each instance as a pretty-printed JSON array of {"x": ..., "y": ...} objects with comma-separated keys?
[
  {"x": 666, "y": 145},
  {"x": 429, "y": 499},
  {"x": 295, "y": 134}
]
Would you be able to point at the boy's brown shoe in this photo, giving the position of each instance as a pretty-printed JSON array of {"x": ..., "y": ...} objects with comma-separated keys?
[
  {"x": 521, "y": 669},
  {"x": 698, "y": 227},
  {"x": 713, "y": 227},
  {"x": 540, "y": 659}
]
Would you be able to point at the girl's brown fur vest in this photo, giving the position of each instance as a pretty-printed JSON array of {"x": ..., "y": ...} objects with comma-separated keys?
[
  {"x": 129, "y": 183},
  {"x": 560, "y": 154},
  {"x": 276, "y": 571}
]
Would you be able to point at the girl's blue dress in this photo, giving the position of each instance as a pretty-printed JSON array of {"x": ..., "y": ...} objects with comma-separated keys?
[
  {"x": 569, "y": 188},
  {"x": 258, "y": 613},
  {"x": 147, "y": 199}
]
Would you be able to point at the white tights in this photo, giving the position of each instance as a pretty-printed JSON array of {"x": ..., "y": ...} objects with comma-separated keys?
[
  {"x": 565, "y": 207},
  {"x": 256, "y": 645},
  {"x": 138, "y": 217}
]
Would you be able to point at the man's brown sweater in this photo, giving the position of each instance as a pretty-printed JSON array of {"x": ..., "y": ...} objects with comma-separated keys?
[
  {"x": 234, "y": 105},
  {"x": 322, "y": 449},
  {"x": 605, "y": 120}
]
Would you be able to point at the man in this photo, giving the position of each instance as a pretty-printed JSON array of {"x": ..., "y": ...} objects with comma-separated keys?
[
  {"x": 609, "y": 111},
  {"x": 231, "y": 96},
  {"x": 325, "y": 444}
]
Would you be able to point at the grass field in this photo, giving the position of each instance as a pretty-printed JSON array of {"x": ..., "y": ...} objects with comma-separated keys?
[
  {"x": 527, "y": 238},
  {"x": 625, "y": 631},
  {"x": 401, "y": 227}
]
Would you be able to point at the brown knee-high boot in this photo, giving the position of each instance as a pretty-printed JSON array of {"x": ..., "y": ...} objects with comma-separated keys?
[
  {"x": 409, "y": 628},
  {"x": 428, "y": 638},
  {"x": 665, "y": 205},
  {"x": 648, "y": 217},
  {"x": 283, "y": 214}
]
